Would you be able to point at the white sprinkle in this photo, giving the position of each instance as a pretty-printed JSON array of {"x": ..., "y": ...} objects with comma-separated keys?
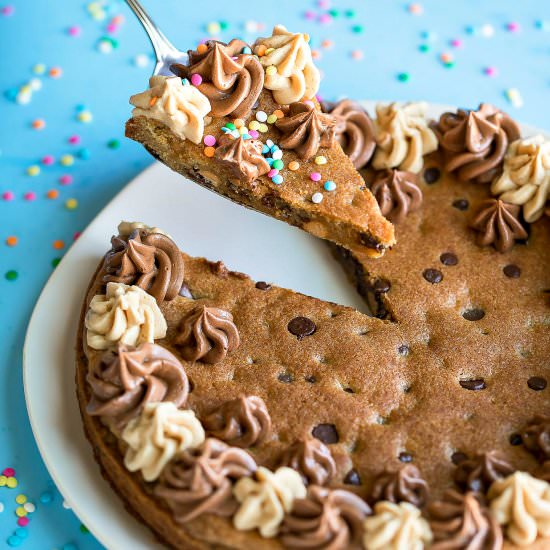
[
  {"x": 278, "y": 154},
  {"x": 261, "y": 116},
  {"x": 141, "y": 60},
  {"x": 269, "y": 143},
  {"x": 487, "y": 30},
  {"x": 317, "y": 197},
  {"x": 513, "y": 95},
  {"x": 251, "y": 26},
  {"x": 23, "y": 98},
  {"x": 35, "y": 84},
  {"x": 66, "y": 505},
  {"x": 1, "y": 507},
  {"x": 30, "y": 507},
  {"x": 236, "y": 133},
  {"x": 105, "y": 46}
]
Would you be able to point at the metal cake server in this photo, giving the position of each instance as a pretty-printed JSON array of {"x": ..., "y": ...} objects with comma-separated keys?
[{"x": 165, "y": 51}]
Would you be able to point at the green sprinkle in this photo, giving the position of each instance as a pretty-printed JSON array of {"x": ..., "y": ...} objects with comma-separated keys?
[
  {"x": 278, "y": 164},
  {"x": 84, "y": 529},
  {"x": 350, "y": 13},
  {"x": 449, "y": 64},
  {"x": 403, "y": 77},
  {"x": 231, "y": 126},
  {"x": 224, "y": 25},
  {"x": 113, "y": 144},
  {"x": 55, "y": 262},
  {"x": 424, "y": 48},
  {"x": 357, "y": 29},
  {"x": 11, "y": 275},
  {"x": 334, "y": 13}
]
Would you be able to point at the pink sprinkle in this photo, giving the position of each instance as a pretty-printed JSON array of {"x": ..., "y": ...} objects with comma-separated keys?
[
  {"x": 112, "y": 28},
  {"x": 29, "y": 196},
  {"x": 323, "y": 4},
  {"x": 315, "y": 176},
  {"x": 254, "y": 134},
  {"x": 491, "y": 71},
  {"x": 76, "y": 235},
  {"x": 325, "y": 19},
  {"x": 48, "y": 160},
  {"x": 309, "y": 15},
  {"x": 8, "y": 472},
  {"x": 357, "y": 54},
  {"x": 118, "y": 19},
  {"x": 8, "y": 195},
  {"x": 23, "y": 522},
  {"x": 309, "y": 103},
  {"x": 75, "y": 30},
  {"x": 74, "y": 140},
  {"x": 272, "y": 172},
  {"x": 196, "y": 79},
  {"x": 209, "y": 140},
  {"x": 513, "y": 26},
  {"x": 66, "y": 180},
  {"x": 8, "y": 10},
  {"x": 456, "y": 43}
]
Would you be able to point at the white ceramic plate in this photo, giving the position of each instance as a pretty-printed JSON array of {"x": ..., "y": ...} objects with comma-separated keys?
[{"x": 202, "y": 224}]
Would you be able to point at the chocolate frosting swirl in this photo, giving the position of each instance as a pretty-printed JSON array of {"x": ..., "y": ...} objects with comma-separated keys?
[
  {"x": 312, "y": 459},
  {"x": 536, "y": 437},
  {"x": 478, "y": 473},
  {"x": 231, "y": 80},
  {"x": 403, "y": 485},
  {"x": 544, "y": 471},
  {"x": 498, "y": 224},
  {"x": 243, "y": 157},
  {"x": 151, "y": 261},
  {"x": 475, "y": 142},
  {"x": 125, "y": 380},
  {"x": 326, "y": 519},
  {"x": 207, "y": 334},
  {"x": 462, "y": 522},
  {"x": 200, "y": 481},
  {"x": 354, "y": 131},
  {"x": 397, "y": 194},
  {"x": 305, "y": 129},
  {"x": 242, "y": 422}
]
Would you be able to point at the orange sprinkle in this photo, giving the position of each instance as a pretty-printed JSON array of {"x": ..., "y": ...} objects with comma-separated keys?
[
  {"x": 209, "y": 151},
  {"x": 238, "y": 122},
  {"x": 11, "y": 240},
  {"x": 201, "y": 48},
  {"x": 327, "y": 44},
  {"x": 38, "y": 124},
  {"x": 58, "y": 244},
  {"x": 278, "y": 113},
  {"x": 55, "y": 72},
  {"x": 153, "y": 100},
  {"x": 260, "y": 50},
  {"x": 316, "y": 54},
  {"x": 293, "y": 165},
  {"x": 52, "y": 194}
]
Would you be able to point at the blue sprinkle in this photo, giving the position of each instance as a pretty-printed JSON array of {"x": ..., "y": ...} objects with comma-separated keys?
[
  {"x": 11, "y": 94},
  {"x": 84, "y": 153},
  {"x": 329, "y": 185},
  {"x": 246, "y": 49},
  {"x": 265, "y": 150},
  {"x": 21, "y": 532},
  {"x": 69, "y": 546},
  {"x": 46, "y": 497},
  {"x": 14, "y": 540},
  {"x": 270, "y": 161},
  {"x": 542, "y": 25},
  {"x": 274, "y": 148},
  {"x": 81, "y": 108},
  {"x": 277, "y": 179},
  {"x": 246, "y": 136},
  {"x": 226, "y": 130},
  {"x": 185, "y": 82}
]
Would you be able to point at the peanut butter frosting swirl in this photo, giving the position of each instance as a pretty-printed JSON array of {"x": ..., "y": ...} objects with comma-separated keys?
[
  {"x": 290, "y": 72},
  {"x": 396, "y": 527},
  {"x": 241, "y": 422},
  {"x": 200, "y": 481},
  {"x": 159, "y": 433},
  {"x": 243, "y": 157},
  {"x": 402, "y": 485},
  {"x": 123, "y": 315},
  {"x": 151, "y": 261},
  {"x": 474, "y": 142},
  {"x": 403, "y": 137},
  {"x": 207, "y": 334},
  {"x": 462, "y": 522},
  {"x": 305, "y": 129},
  {"x": 325, "y": 519},
  {"x": 180, "y": 107},
  {"x": 312, "y": 460},
  {"x": 526, "y": 176},
  {"x": 231, "y": 80},
  {"x": 265, "y": 499},
  {"x": 397, "y": 194},
  {"x": 479, "y": 472},
  {"x": 498, "y": 224},
  {"x": 125, "y": 380},
  {"x": 536, "y": 437},
  {"x": 354, "y": 131},
  {"x": 521, "y": 503}
]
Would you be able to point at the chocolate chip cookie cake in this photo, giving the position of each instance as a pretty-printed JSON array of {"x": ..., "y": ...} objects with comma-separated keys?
[{"x": 229, "y": 413}]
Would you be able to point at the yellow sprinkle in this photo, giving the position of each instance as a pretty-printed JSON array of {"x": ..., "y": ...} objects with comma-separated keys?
[
  {"x": 271, "y": 119},
  {"x": 20, "y": 512},
  {"x": 306, "y": 37},
  {"x": 71, "y": 204},
  {"x": 33, "y": 170},
  {"x": 67, "y": 160},
  {"x": 25, "y": 89},
  {"x": 39, "y": 68},
  {"x": 11, "y": 482},
  {"x": 84, "y": 116},
  {"x": 3, "y": 480},
  {"x": 20, "y": 499},
  {"x": 320, "y": 159},
  {"x": 269, "y": 50},
  {"x": 271, "y": 70},
  {"x": 243, "y": 130},
  {"x": 238, "y": 122},
  {"x": 263, "y": 128},
  {"x": 293, "y": 165},
  {"x": 253, "y": 125}
]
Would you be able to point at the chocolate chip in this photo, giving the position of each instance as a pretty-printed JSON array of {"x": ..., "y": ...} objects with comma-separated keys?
[
  {"x": 431, "y": 175},
  {"x": 381, "y": 286},
  {"x": 512, "y": 271},
  {"x": 474, "y": 385},
  {"x": 370, "y": 242},
  {"x": 301, "y": 327},
  {"x": 352, "y": 478},
  {"x": 537, "y": 383},
  {"x": 403, "y": 349},
  {"x": 311, "y": 379},
  {"x": 269, "y": 201},
  {"x": 262, "y": 285},
  {"x": 432, "y": 275},
  {"x": 474, "y": 314},
  {"x": 458, "y": 457},
  {"x": 285, "y": 377},
  {"x": 326, "y": 433},
  {"x": 448, "y": 258},
  {"x": 461, "y": 204},
  {"x": 185, "y": 292},
  {"x": 405, "y": 457},
  {"x": 516, "y": 439},
  {"x": 349, "y": 390}
]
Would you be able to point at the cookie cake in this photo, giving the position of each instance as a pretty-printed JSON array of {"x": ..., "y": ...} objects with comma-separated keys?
[{"x": 230, "y": 413}]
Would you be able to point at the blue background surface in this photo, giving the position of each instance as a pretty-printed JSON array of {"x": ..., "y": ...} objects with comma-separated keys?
[{"x": 100, "y": 83}]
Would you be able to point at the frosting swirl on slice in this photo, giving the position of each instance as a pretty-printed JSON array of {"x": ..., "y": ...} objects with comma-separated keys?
[
  {"x": 305, "y": 129},
  {"x": 123, "y": 315},
  {"x": 125, "y": 380},
  {"x": 243, "y": 157},
  {"x": 312, "y": 459},
  {"x": 325, "y": 519},
  {"x": 200, "y": 481},
  {"x": 231, "y": 80},
  {"x": 151, "y": 261},
  {"x": 207, "y": 334},
  {"x": 474, "y": 142},
  {"x": 526, "y": 176},
  {"x": 536, "y": 437},
  {"x": 180, "y": 107},
  {"x": 478, "y": 473},
  {"x": 403, "y": 485},
  {"x": 242, "y": 422},
  {"x": 354, "y": 131},
  {"x": 403, "y": 137},
  {"x": 397, "y": 194},
  {"x": 125, "y": 228},
  {"x": 265, "y": 500},
  {"x": 498, "y": 224},
  {"x": 460, "y": 521},
  {"x": 157, "y": 435},
  {"x": 289, "y": 69},
  {"x": 522, "y": 504}
]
